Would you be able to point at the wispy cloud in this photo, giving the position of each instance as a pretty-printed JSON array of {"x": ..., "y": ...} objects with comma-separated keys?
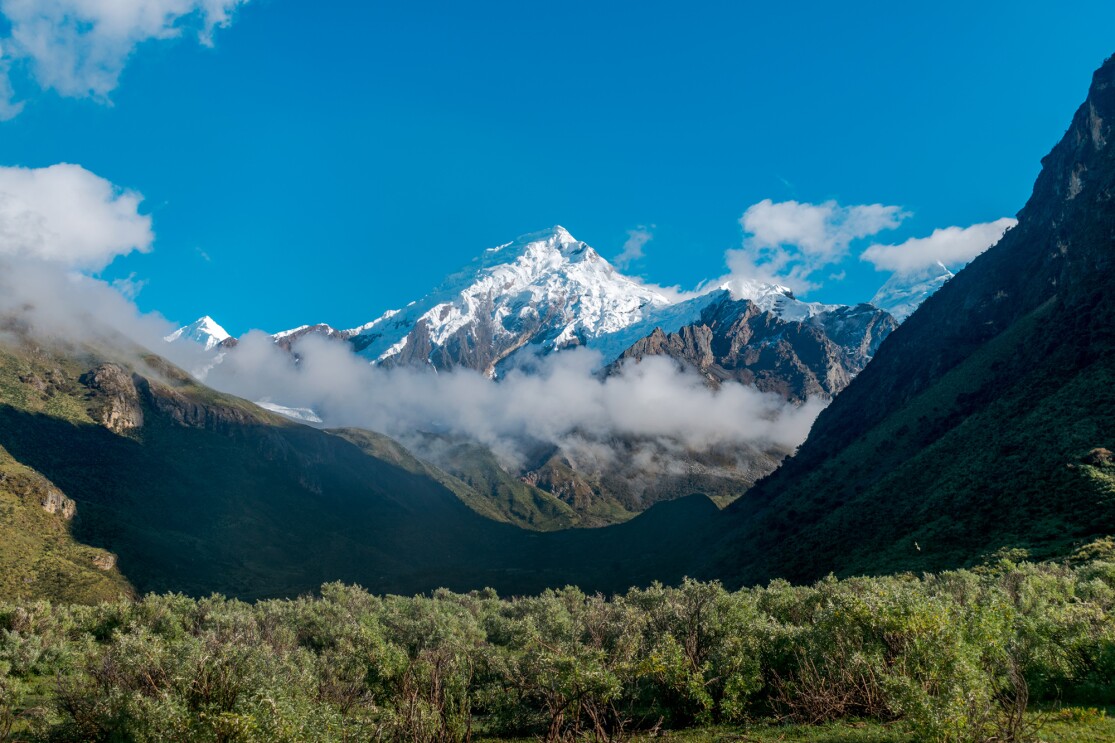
[
  {"x": 130, "y": 286},
  {"x": 952, "y": 246},
  {"x": 79, "y": 48},
  {"x": 633, "y": 247}
]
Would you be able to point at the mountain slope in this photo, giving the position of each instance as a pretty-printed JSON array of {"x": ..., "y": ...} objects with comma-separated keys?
[
  {"x": 972, "y": 426},
  {"x": 474, "y": 475},
  {"x": 545, "y": 292}
]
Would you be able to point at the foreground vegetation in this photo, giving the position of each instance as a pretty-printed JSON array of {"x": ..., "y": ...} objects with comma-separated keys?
[{"x": 957, "y": 656}]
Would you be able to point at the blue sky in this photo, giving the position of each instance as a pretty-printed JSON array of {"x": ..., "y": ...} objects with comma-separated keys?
[{"x": 328, "y": 161}]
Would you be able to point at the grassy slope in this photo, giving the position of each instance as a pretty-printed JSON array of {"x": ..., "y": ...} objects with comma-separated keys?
[
  {"x": 40, "y": 557},
  {"x": 477, "y": 480},
  {"x": 199, "y": 510}
]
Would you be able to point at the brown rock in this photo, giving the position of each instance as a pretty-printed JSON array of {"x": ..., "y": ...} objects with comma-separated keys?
[{"x": 116, "y": 400}]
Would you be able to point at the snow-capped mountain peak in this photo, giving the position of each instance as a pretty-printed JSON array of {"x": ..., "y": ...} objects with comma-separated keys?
[
  {"x": 545, "y": 288},
  {"x": 904, "y": 292},
  {"x": 204, "y": 331},
  {"x": 774, "y": 298}
]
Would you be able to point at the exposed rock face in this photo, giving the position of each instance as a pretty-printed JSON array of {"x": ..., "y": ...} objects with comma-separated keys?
[
  {"x": 737, "y": 341},
  {"x": 33, "y": 487},
  {"x": 286, "y": 340},
  {"x": 53, "y": 501},
  {"x": 189, "y": 412},
  {"x": 104, "y": 561},
  {"x": 115, "y": 398}
]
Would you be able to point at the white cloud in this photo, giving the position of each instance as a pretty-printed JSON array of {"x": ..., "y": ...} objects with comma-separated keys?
[
  {"x": 952, "y": 246},
  {"x": 67, "y": 215},
  {"x": 79, "y": 47},
  {"x": 788, "y": 242},
  {"x": 562, "y": 401},
  {"x": 633, "y": 247}
]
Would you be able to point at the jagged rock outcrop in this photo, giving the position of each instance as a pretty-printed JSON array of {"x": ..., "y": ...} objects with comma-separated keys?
[
  {"x": 736, "y": 340},
  {"x": 53, "y": 501},
  {"x": 115, "y": 399},
  {"x": 36, "y": 488},
  {"x": 187, "y": 411}
]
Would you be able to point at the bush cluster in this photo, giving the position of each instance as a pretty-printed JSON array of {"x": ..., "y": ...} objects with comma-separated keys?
[{"x": 955, "y": 656}]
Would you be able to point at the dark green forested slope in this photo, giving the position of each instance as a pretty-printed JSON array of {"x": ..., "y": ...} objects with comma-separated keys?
[{"x": 973, "y": 427}]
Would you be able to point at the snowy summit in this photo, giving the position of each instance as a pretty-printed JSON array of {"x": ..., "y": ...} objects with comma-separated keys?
[{"x": 204, "y": 331}]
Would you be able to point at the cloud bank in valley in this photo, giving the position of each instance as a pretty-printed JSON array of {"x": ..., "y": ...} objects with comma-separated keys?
[{"x": 562, "y": 400}]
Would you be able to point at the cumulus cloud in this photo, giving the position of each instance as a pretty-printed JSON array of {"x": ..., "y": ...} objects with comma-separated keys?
[
  {"x": 80, "y": 47},
  {"x": 57, "y": 225},
  {"x": 633, "y": 247},
  {"x": 67, "y": 215},
  {"x": 952, "y": 246},
  {"x": 788, "y": 242}
]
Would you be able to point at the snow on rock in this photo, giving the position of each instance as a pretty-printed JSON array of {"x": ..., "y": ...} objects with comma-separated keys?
[
  {"x": 204, "y": 331},
  {"x": 303, "y": 415},
  {"x": 546, "y": 288},
  {"x": 904, "y": 292},
  {"x": 776, "y": 299}
]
